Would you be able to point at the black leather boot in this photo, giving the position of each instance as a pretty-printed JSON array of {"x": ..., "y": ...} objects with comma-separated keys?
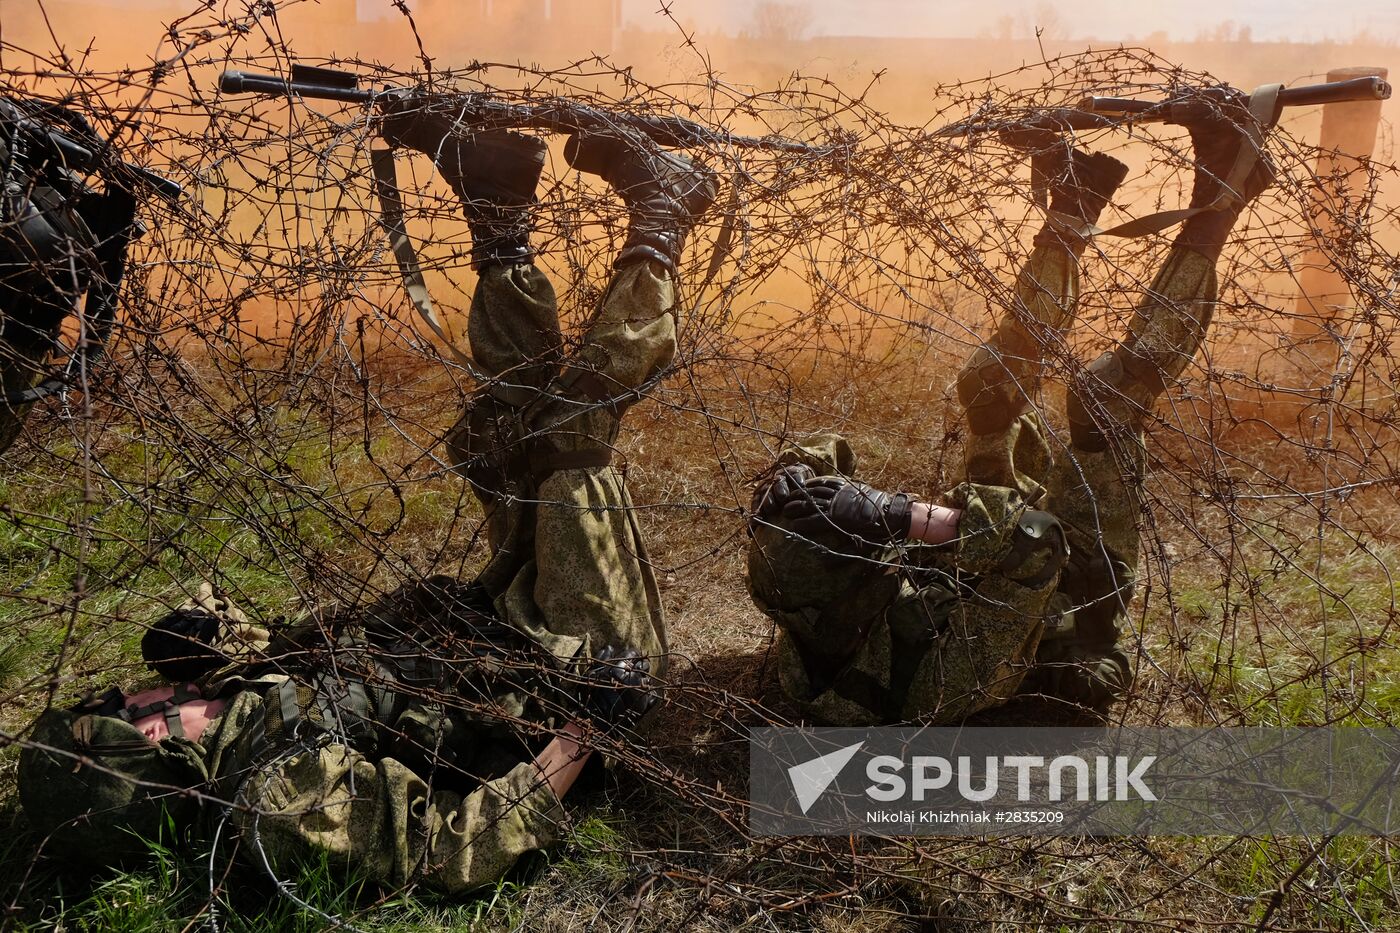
[
  {"x": 495, "y": 175},
  {"x": 1083, "y": 188},
  {"x": 1218, "y": 141},
  {"x": 665, "y": 193},
  {"x": 494, "y": 172},
  {"x": 1080, "y": 183}
]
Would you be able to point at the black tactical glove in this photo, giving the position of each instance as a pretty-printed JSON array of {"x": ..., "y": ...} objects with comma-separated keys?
[
  {"x": 618, "y": 691},
  {"x": 179, "y": 646},
  {"x": 776, "y": 490},
  {"x": 855, "y": 508}
]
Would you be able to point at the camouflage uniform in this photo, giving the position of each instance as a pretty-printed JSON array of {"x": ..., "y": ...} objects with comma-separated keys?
[
  {"x": 537, "y": 445},
  {"x": 356, "y": 762},
  {"x": 871, "y": 634}
]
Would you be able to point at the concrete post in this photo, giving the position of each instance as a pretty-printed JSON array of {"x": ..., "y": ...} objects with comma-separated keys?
[{"x": 1348, "y": 135}]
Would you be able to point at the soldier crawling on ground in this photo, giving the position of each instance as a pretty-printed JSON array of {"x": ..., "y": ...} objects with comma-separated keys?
[
  {"x": 891, "y": 608},
  {"x": 407, "y": 750}
]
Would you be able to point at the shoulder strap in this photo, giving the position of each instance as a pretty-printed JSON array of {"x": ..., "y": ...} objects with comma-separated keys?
[{"x": 386, "y": 186}]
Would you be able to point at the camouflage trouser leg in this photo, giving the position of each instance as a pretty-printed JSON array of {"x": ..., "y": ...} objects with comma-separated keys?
[
  {"x": 1006, "y": 443},
  {"x": 1095, "y": 486},
  {"x": 384, "y": 822},
  {"x": 870, "y": 634},
  {"x": 1096, "y": 489},
  {"x": 1118, "y": 390},
  {"x": 570, "y": 566}
]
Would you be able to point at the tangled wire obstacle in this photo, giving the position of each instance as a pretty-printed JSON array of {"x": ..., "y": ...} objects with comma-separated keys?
[{"x": 269, "y": 413}]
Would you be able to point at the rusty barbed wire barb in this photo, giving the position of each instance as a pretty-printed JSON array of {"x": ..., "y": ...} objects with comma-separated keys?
[{"x": 270, "y": 419}]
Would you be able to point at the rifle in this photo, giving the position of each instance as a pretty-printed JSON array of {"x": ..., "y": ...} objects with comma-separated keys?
[
  {"x": 1186, "y": 106},
  {"x": 55, "y": 145},
  {"x": 39, "y": 152},
  {"x": 481, "y": 109}
]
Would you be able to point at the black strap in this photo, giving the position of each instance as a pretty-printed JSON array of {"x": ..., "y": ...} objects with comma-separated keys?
[
  {"x": 289, "y": 707},
  {"x": 169, "y": 707},
  {"x": 546, "y": 463},
  {"x": 173, "y": 721}
]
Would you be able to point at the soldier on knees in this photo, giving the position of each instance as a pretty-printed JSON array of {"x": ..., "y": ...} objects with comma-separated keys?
[
  {"x": 890, "y": 608},
  {"x": 63, "y": 246}
]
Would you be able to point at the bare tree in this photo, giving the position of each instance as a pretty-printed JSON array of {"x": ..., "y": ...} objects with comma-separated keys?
[
  {"x": 1047, "y": 23},
  {"x": 773, "y": 21}
]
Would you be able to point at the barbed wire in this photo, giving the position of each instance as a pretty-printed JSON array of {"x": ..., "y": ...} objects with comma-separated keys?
[{"x": 270, "y": 414}]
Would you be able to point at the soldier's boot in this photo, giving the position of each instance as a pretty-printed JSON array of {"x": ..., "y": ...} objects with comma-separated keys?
[
  {"x": 1114, "y": 395},
  {"x": 493, "y": 172},
  {"x": 665, "y": 193},
  {"x": 1095, "y": 489},
  {"x": 999, "y": 379}
]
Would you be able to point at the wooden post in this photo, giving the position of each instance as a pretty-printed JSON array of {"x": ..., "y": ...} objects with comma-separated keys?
[{"x": 1348, "y": 135}]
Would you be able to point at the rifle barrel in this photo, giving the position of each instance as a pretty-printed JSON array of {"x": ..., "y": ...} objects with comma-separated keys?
[
  {"x": 245, "y": 82},
  {"x": 1310, "y": 95},
  {"x": 556, "y": 114},
  {"x": 79, "y": 156}
]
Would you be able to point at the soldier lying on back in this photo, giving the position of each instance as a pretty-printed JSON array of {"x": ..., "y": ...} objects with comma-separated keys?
[
  {"x": 415, "y": 741},
  {"x": 329, "y": 751},
  {"x": 893, "y": 609}
]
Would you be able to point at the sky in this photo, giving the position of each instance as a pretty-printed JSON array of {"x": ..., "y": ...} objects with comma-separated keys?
[
  {"x": 1307, "y": 20},
  {"x": 1109, "y": 20}
]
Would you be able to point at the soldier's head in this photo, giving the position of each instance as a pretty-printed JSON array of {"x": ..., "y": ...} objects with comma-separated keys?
[{"x": 100, "y": 780}]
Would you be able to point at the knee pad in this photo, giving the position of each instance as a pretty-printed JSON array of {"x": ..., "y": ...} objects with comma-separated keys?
[
  {"x": 988, "y": 393},
  {"x": 1038, "y": 550}
]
